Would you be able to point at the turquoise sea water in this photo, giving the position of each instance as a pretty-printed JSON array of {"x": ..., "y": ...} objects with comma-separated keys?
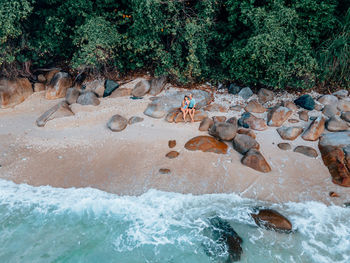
[{"x": 45, "y": 224}]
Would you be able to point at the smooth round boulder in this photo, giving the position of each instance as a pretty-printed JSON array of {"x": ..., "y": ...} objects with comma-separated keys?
[
  {"x": 117, "y": 123},
  {"x": 242, "y": 143},
  {"x": 141, "y": 88},
  {"x": 206, "y": 144},
  {"x": 157, "y": 85},
  {"x": 255, "y": 160},
  {"x": 206, "y": 124},
  {"x": 88, "y": 98},
  {"x": 284, "y": 146},
  {"x": 223, "y": 130},
  {"x": 289, "y": 133},
  {"x": 272, "y": 220}
]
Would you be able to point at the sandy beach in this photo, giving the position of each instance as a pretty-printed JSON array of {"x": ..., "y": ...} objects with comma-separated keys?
[{"x": 80, "y": 151}]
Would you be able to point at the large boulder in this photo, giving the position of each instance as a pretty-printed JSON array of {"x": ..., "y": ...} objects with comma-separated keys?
[
  {"x": 88, "y": 98},
  {"x": 328, "y": 100},
  {"x": 272, "y": 220},
  {"x": 58, "y": 111},
  {"x": 306, "y": 102},
  {"x": 278, "y": 115},
  {"x": 223, "y": 130},
  {"x": 110, "y": 87},
  {"x": 206, "y": 124},
  {"x": 121, "y": 92},
  {"x": 255, "y": 160},
  {"x": 117, "y": 123},
  {"x": 255, "y": 107},
  {"x": 315, "y": 129},
  {"x": 344, "y": 105},
  {"x": 306, "y": 150},
  {"x": 157, "y": 85},
  {"x": 141, "y": 88},
  {"x": 248, "y": 120},
  {"x": 198, "y": 116},
  {"x": 289, "y": 133},
  {"x": 335, "y": 151},
  {"x": 242, "y": 143},
  {"x": 265, "y": 95},
  {"x": 13, "y": 92},
  {"x": 206, "y": 144},
  {"x": 336, "y": 124},
  {"x": 97, "y": 86},
  {"x": 58, "y": 86},
  {"x": 155, "y": 110},
  {"x": 72, "y": 95},
  {"x": 245, "y": 93}
]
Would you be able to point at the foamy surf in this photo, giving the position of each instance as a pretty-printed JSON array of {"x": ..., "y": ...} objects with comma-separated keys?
[{"x": 45, "y": 224}]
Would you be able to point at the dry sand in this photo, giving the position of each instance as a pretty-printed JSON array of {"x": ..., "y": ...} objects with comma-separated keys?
[{"x": 80, "y": 151}]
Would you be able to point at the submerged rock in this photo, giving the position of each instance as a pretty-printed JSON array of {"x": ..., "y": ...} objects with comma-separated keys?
[
  {"x": 206, "y": 144},
  {"x": 272, "y": 220}
]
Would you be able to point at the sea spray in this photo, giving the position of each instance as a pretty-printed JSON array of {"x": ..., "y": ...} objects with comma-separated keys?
[{"x": 45, "y": 224}]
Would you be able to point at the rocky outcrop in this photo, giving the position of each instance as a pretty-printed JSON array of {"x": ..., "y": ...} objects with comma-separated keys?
[
  {"x": 242, "y": 143},
  {"x": 289, "y": 133},
  {"x": 72, "y": 95},
  {"x": 88, "y": 98},
  {"x": 272, "y": 220},
  {"x": 58, "y": 86},
  {"x": 134, "y": 119},
  {"x": 265, "y": 95},
  {"x": 306, "y": 102},
  {"x": 223, "y": 130},
  {"x": 206, "y": 124},
  {"x": 141, "y": 88},
  {"x": 206, "y": 144},
  {"x": 315, "y": 129},
  {"x": 13, "y": 92},
  {"x": 117, "y": 123},
  {"x": 306, "y": 150},
  {"x": 58, "y": 111},
  {"x": 255, "y": 160},
  {"x": 248, "y": 120},
  {"x": 336, "y": 124},
  {"x": 255, "y": 107},
  {"x": 172, "y": 154},
  {"x": 157, "y": 85},
  {"x": 277, "y": 116}
]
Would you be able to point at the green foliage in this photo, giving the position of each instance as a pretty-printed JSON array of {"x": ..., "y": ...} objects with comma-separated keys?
[{"x": 276, "y": 43}]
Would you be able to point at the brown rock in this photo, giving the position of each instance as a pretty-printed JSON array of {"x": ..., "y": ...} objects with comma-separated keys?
[
  {"x": 164, "y": 171},
  {"x": 255, "y": 160},
  {"x": 88, "y": 98},
  {"x": 172, "y": 154},
  {"x": 117, "y": 123},
  {"x": 333, "y": 194},
  {"x": 206, "y": 124},
  {"x": 265, "y": 95},
  {"x": 14, "y": 92},
  {"x": 271, "y": 219},
  {"x": 216, "y": 108},
  {"x": 39, "y": 87},
  {"x": 219, "y": 118},
  {"x": 72, "y": 95},
  {"x": 304, "y": 115},
  {"x": 206, "y": 144},
  {"x": 243, "y": 143},
  {"x": 344, "y": 105},
  {"x": 172, "y": 115},
  {"x": 315, "y": 129},
  {"x": 58, "y": 111},
  {"x": 247, "y": 132},
  {"x": 155, "y": 110},
  {"x": 134, "y": 119},
  {"x": 308, "y": 151},
  {"x": 49, "y": 75},
  {"x": 289, "y": 133},
  {"x": 290, "y": 105},
  {"x": 198, "y": 116},
  {"x": 336, "y": 124},
  {"x": 284, "y": 146},
  {"x": 293, "y": 120},
  {"x": 278, "y": 115},
  {"x": 97, "y": 86},
  {"x": 121, "y": 92},
  {"x": 248, "y": 120},
  {"x": 223, "y": 130},
  {"x": 141, "y": 88},
  {"x": 172, "y": 143},
  {"x": 346, "y": 116},
  {"x": 58, "y": 86},
  {"x": 254, "y": 106},
  {"x": 41, "y": 78}
]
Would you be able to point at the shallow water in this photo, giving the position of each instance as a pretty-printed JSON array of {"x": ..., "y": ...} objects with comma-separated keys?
[{"x": 45, "y": 224}]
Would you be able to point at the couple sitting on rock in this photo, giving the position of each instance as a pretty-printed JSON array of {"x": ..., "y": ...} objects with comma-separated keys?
[{"x": 188, "y": 106}]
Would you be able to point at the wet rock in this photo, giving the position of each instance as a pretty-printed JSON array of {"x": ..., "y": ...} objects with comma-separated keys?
[
  {"x": 110, "y": 87},
  {"x": 13, "y": 92},
  {"x": 72, "y": 95},
  {"x": 121, "y": 92},
  {"x": 290, "y": 105},
  {"x": 278, "y": 115},
  {"x": 330, "y": 110},
  {"x": 254, "y": 106},
  {"x": 245, "y": 93},
  {"x": 164, "y": 171},
  {"x": 306, "y": 102},
  {"x": 97, "y": 86},
  {"x": 306, "y": 150},
  {"x": 58, "y": 86},
  {"x": 341, "y": 93},
  {"x": 172, "y": 143},
  {"x": 336, "y": 124},
  {"x": 206, "y": 144},
  {"x": 255, "y": 160},
  {"x": 88, "y": 98},
  {"x": 39, "y": 87},
  {"x": 315, "y": 129},
  {"x": 223, "y": 130},
  {"x": 215, "y": 108},
  {"x": 60, "y": 110},
  {"x": 344, "y": 105},
  {"x": 141, "y": 88},
  {"x": 135, "y": 119},
  {"x": 304, "y": 115},
  {"x": 236, "y": 108},
  {"x": 248, "y": 120},
  {"x": 289, "y": 133},
  {"x": 247, "y": 132},
  {"x": 198, "y": 116},
  {"x": 233, "y": 89},
  {"x": 284, "y": 146},
  {"x": 328, "y": 100},
  {"x": 272, "y": 220},
  {"x": 242, "y": 143},
  {"x": 117, "y": 123},
  {"x": 219, "y": 118},
  {"x": 265, "y": 95},
  {"x": 346, "y": 116},
  {"x": 157, "y": 85},
  {"x": 172, "y": 154},
  {"x": 206, "y": 124}
]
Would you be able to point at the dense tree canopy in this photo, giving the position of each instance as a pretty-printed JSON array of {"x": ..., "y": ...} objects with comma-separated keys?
[{"x": 277, "y": 43}]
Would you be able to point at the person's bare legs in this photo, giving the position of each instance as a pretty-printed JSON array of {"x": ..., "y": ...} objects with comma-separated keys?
[
  {"x": 192, "y": 114},
  {"x": 184, "y": 113}
]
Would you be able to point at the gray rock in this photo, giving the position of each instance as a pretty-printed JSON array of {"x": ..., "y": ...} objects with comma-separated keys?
[
  {"x": 233, "y": 89},
  {"x": 223, "y": 130},
  {"x": 265, "y": 95},
  {"x": 346, "y": 116},
  {"x": 338, "y": 139},
  {"x": 141, "y": 88},
  {"x": 284, "y": 146},
  {"x": 72, "y": 95},
  {"x": 306, "y": 150},
  {"x": 330, "y": 110},
  {"x": 157, "y": 85},
  {"x": 242, "y": 143},
  {"x": 341, "y": 93},
  {"x": 245, "y": 93},
  {"x": 344, "y": 105},
  {"x": 135, "y": 119},
  {"x": 97, "y": 86},
  {"x": 88, "y": 98},
  {"x": 289, "y": 133},
  {"x": 58, "y": 111},
  {"x": 328, "y": 100},
  {"x": 155, "y": 110},
  {"x": 117, "y": 123},
  {"x": 206, "y": 124},
  {"x": 336, "y": 124}
]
